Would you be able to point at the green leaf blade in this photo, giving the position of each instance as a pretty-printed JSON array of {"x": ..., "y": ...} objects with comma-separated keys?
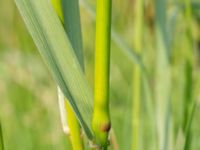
[
  {"x": 72, "y": 25},
  {"x": 55, "y": 48}
]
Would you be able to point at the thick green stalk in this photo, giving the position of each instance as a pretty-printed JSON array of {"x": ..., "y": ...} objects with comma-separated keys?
[
  {"x": 138, "y": 38},
  {"x": 75, "y": 130},
  {"x": 101, "y": 119}
]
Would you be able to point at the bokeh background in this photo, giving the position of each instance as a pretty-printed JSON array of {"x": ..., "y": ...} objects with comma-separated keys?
[{"x": 29, "y": 112}]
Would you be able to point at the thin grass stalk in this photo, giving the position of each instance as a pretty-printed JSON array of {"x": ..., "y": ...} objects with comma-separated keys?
[
  {"x": 188, "y": 99},
  {"x": 75, "y": 130},
  {"x": 188, "y": 133},
  {"x": 1, "y": 138},
  {"x": 74, "y": 127},
  {"x": 137, "y": 74},
  {"x": 70, "y": 123},
  {"x": 101, "y": 123},
  {"x": 123, "y": 46}
]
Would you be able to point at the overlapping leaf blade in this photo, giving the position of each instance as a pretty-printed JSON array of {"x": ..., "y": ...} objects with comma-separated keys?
[
  {"x": 72, "y": 25},
  {"x": 55, "y": 48}
]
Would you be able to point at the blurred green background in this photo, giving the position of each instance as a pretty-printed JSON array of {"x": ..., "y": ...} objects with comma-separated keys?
[{"x": 29, "y": 112}]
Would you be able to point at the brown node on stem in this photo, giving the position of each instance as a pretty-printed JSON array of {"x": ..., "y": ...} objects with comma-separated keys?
[{"x": 106, "y": 127}]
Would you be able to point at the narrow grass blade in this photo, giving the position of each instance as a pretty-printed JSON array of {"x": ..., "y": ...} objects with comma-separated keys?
[
  {"x": 55, "y": 48},
  {"x": 148, "y": 117},
  {"x": 187, "y": 144},
  {"x": 189, "y": 63},
  {"x": 72, "y": 25},
  {"x": 163, "y": 76},
  {"x": 137, "y": 75},
  {"x": 71, "y": 22},
  {"x": 129, "y": 52},
  {"x": 1, "y": 138}
]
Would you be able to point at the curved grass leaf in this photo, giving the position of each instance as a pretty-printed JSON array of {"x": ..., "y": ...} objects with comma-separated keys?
[{"x": 55, "y": 48}]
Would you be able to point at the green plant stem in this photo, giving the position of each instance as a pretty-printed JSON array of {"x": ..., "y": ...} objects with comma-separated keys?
[
  {"x": 138, "y": 38},
  {"x": 115, "y": 37},
  {"x": 75, "y": 130},
  {"x": 101, "y": 118}
]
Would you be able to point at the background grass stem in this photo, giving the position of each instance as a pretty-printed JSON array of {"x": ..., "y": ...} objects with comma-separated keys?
[
  {"x": 1, "y": 138},
  {"x": 137, "y": 74}
]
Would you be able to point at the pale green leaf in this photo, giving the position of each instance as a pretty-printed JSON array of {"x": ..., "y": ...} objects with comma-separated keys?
[
  {"x": 163, "y": 77},
  {"x": 55, "y": 48}
]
